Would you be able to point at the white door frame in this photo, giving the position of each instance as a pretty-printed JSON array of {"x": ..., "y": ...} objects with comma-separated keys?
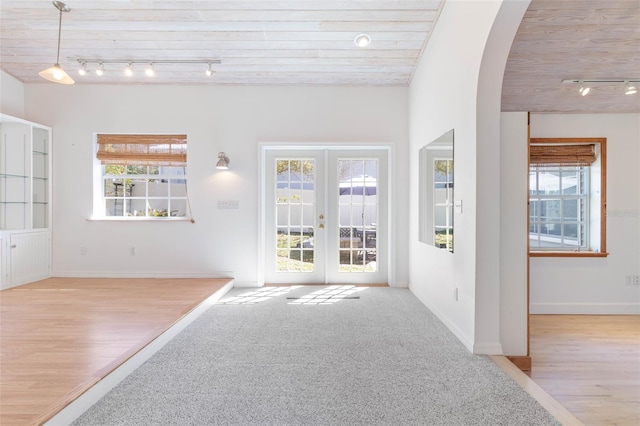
[{"x": 263, "y": 147}]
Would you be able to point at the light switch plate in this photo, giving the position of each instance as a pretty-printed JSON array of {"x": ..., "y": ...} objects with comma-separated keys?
[{"x": 228, "y": 205}]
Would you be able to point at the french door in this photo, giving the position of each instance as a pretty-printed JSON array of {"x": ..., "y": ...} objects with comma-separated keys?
[{"x": 326, "y": 216}]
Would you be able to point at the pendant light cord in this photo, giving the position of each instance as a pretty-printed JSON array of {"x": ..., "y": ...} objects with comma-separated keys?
[{"x": 59, "y": 35}]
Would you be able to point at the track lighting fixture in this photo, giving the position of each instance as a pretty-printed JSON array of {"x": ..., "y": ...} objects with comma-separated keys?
[
  {"x": 584, "y": 89},
  {"x": 55, "y": 73},
  {"x": 149, "y": 64},
  {"x": 83, "y": 69}
]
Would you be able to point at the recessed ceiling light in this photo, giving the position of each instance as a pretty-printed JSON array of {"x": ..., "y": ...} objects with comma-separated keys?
[{"x": 362, "y": 40}]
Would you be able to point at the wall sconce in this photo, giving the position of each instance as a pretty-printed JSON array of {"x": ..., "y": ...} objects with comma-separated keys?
[{"x": 223, "y": 161}]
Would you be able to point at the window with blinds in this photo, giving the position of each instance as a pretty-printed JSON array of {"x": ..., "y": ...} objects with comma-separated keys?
[
  {"x": 142, "y": 176},
  {"x": 567, "y": 195}
]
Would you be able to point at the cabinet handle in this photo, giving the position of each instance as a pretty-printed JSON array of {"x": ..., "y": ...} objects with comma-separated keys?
[{"x": 13, "y": 246}]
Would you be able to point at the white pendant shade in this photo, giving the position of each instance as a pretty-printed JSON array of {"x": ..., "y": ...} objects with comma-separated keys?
[{"x": 57, "y": 75}]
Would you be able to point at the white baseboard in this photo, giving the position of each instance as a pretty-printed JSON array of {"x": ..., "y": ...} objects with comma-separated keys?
[
  {"x": 451, "y": 326},
  {"x": 81, "y": 404},
  {"x": 584, "y": 308},
  {"x": 147, "y": 274},
  {"x": 487, "y": 348},
  {"x": 245, "y": 284}
]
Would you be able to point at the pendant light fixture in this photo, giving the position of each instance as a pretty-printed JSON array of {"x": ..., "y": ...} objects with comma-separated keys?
[{"x": 55, "y": 73}]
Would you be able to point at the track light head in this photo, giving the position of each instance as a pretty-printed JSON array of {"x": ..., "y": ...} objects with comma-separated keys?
[
  {"x": 584, "y": 91},
  {"x": 630, "y": 89},
  {"x": 150, "y": 72}
]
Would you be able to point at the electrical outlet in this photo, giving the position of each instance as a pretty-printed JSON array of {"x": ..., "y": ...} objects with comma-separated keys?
[
  {"x": 633, "y": 280},
  {"x": 83, "y": 251},
  {"x": 132, "y": 251}
]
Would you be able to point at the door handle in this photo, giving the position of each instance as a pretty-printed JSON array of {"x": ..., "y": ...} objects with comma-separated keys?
[{"x": 13, "y": 246}]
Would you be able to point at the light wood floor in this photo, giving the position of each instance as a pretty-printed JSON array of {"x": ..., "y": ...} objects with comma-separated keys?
[
  {"x": 590, "y": 364},
  {"x": 60, "y": 336}
]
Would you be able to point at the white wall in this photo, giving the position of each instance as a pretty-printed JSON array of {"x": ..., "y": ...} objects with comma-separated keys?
[
  {"x": 597, "y": 285},
  {"x": 514, "y": 188},
  {"x": 230, "y": 119},
  {"x": 457, "y": 86},
  {"x": 11, "y": 95}
]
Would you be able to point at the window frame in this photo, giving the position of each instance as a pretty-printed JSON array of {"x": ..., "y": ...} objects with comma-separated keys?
[
  {"x": 100, "y": 176},
  {"x": 602, "y": 158}
]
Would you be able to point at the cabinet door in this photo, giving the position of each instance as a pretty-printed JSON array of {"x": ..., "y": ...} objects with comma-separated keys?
[
  {"x": 15, "y": 161},
  {"x": 40, "y": 178},
  {"x": 29, "y": 257}
]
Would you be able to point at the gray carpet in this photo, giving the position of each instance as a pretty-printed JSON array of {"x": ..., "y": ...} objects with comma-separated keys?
[{"x": 312, "y": 356}]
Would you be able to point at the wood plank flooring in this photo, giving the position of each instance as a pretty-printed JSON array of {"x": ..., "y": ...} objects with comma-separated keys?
[
  {"x": 590, "y": 364},
  {"x": 60, "y": 336}
]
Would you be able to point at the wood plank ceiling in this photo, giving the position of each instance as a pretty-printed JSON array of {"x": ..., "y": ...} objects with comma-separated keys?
[
  {"x": 257, "y": 41},
  {"x": 574, "y": 39},
  {"x": 310, "y": 42}
]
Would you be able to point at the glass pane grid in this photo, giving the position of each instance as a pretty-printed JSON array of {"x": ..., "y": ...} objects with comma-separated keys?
[
  {"x": 358, "y": 215},
  {"x": 443, "y": 203},
  {"x": 144, "y": 191},
  {"x": 295, "y": 215},
  {"x": 557, "y": 207}
]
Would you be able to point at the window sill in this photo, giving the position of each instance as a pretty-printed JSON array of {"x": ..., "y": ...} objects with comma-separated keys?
[
  {"x": 140, "y": 219},
  {"x": 567, "y": 254}
]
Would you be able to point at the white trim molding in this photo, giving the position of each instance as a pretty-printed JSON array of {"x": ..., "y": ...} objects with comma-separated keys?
[{"x": 585, "y": 308}]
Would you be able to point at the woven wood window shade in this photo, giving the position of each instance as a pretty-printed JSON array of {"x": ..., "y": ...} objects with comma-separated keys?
[
  {"x": 562, "y": 155},
  {"x": 148, "y": 150}
]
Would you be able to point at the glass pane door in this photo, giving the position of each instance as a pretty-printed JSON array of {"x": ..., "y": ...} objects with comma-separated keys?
[
  {"x": 294, "y": 196},
  {"x": 357, "y": 202},
  {"x": 325, "y": 217}
]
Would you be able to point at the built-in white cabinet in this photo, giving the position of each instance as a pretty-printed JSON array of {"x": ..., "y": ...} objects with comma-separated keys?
[{"x": 25, "y": 206}]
